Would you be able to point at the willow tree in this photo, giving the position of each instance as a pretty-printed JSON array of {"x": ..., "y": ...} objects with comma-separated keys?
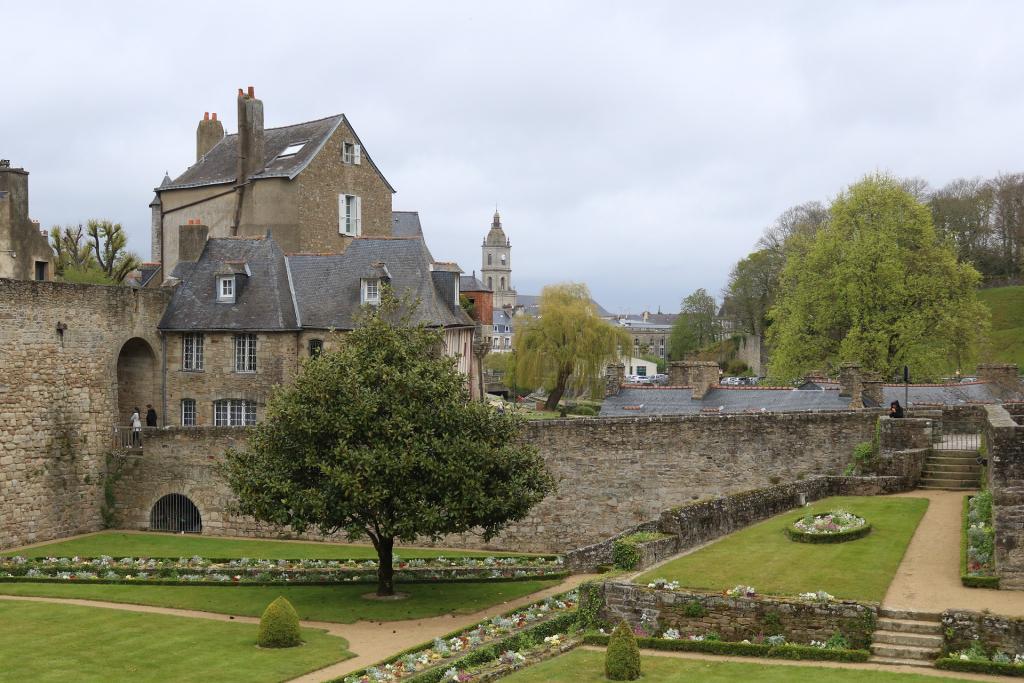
[
  {"x": 877, "y": 287},
  {"x": 567, "y": 341}
]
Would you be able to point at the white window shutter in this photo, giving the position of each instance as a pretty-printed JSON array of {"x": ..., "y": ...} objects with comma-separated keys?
[
  {"x": 341, "y": 214},
  {"x": 357, "y": 218},
  {"x": 357, "y": 154}
]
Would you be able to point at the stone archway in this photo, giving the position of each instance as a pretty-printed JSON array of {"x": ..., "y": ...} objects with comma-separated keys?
[
  {"x": 175, "y": 512},
  {"x": 137, "y": 381}
]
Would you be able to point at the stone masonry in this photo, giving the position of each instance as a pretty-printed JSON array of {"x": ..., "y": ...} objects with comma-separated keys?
[{"x": 1004, "y": 440}]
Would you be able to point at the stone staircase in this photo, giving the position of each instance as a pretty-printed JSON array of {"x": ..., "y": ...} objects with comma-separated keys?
[
  {"x": 906, "y": 638},
  {"x": 949, "y": 469}
]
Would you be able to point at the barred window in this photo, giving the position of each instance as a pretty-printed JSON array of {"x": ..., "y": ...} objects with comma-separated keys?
[
  {"x": 245, "y": 353},
  {"x": 316, "y": 347},
  {"x": 233, "y": 412},
  {"x": 188, "y": 412},
  {"x": 192, "y": 352}
]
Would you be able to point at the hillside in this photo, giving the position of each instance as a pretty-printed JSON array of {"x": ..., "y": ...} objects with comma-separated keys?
[{"x": 1007, "y": 306}]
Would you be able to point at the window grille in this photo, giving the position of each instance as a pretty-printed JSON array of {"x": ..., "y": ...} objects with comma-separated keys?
[
  {"x": 175, "y": 512},
  {"x": 245, "y": 353},
  {"x": 192, "y": 352},
  {"x": 188, "y": 412},
  {"x": 316, "y": 347},
  {"x": 233, "y": 412}
]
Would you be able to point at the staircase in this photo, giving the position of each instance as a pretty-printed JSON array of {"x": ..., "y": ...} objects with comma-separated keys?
[
  {"x": 951, "y": 469},
  {"x": 906, "y": 638}
]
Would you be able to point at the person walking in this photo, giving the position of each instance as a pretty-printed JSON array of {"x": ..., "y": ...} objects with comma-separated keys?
[
  {"x": 136, "y": 421},
  {"x": 150, "y": 416}
]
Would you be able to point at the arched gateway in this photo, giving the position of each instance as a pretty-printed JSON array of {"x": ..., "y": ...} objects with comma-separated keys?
[{"x": 175, "y": 512}]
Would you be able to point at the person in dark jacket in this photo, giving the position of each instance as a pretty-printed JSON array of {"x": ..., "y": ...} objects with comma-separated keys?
[
  {"x": 895, "y": 409},
  {"x": 150, "y": 416}
]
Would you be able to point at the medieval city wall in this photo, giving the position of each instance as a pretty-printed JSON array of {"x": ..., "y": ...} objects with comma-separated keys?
[{"x": 59, "y": 348}]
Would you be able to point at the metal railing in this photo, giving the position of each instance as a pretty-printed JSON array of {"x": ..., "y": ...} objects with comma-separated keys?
[
  {"x": 125, "y": 438},
  {"x": 948, "y": 435}
]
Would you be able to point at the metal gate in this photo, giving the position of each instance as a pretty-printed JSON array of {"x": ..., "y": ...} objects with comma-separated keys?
[
  {"x": 175, "y": 512},
  {"x": 949, "y": 435}
]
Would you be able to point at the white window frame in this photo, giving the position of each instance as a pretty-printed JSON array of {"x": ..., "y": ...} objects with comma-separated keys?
[
  {"x": 351, "y": 153},
  {"x": 350, "y": 215},
  {"x": 234, "y": 412},
  {"x": 370, "y": 291},
  {"x": 226, "y": 289},
  {"x": 245, "y": 353},
  {"x": 188, "y": 412},
  {"x": 508, "y": 342},
  {"x": 192, "y": 352}
]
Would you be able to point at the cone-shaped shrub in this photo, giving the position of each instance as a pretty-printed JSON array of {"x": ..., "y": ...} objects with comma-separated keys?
[
  {"x": 622, "y": 661},
  {"x": 279, "y": 625}
]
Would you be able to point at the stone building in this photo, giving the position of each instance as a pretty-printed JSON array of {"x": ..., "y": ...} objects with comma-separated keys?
[
  {"x": 313, "y": 184},
  {"x": 25, "y": 253},
  {"x": 496, "y": 268}
]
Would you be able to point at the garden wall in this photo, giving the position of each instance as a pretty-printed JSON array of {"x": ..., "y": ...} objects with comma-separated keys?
[
  {"x": 735, "y": 619},
  {"x": 612, "y": 473},
  {"x": 1004, "y": 440},
  {"x": 996, "y": 632}
]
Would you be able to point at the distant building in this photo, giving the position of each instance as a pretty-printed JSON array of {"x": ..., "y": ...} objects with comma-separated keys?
[
  {"x": 25, "y": 253},
  {"x": 496, "y": 268},
  {"x": 650, "y": 332},
  {"x": 502, "y": 330}
]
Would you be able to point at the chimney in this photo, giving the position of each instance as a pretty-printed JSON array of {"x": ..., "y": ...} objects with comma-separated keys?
[
  {"x": 677, "y": 374},
  {"x": 700, "y": 375},
  {"x": 250, "y": 135},
  {"x": 849, "y": 375},
  {"x": 871, "y": 392},
  {"x": 191, "y": 240},
  {"x": 614, "y": 375},
  {"x": 208, "y": 134}
]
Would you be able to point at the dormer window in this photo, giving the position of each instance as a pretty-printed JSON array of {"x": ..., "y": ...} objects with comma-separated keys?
[
  {"x": 351, "y": 153},
  {"x": 292, "y": 149},
  {"x": 226, "y": 289},
  {"x": 371, "y": 291}
]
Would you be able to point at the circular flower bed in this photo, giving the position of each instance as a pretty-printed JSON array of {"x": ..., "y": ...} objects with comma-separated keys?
[{"x": 828, "y": 527}]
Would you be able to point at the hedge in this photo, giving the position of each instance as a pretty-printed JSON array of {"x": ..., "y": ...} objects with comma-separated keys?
[
  {"x": 838, "y": 537},
  {"x": 993, "y": 668},
  {"x": 718, "y": 647},
  {"x": 965, "y": 578}
]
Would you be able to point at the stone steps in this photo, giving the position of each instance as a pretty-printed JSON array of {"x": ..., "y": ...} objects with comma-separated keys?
[
  {"x": 948, "y": 484},
  {"x": 896, "y": 661},
  {"x": 952, "y": 467},
  {"x": 907, "y": 637},
  {"x": 896, "y": 625},
  {"x": 929, "y": 641},
  {"x": 926, "y": 655}
]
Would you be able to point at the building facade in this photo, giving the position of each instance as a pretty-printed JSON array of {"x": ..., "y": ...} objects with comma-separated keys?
[
  {"x": 25, "y": 253},
  {"x": 496, "y": 265}
]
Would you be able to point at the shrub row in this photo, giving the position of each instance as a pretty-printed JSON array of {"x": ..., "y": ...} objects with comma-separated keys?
[
  {"x": 717, "y": 647},
  {"x": 965, "y": 578},
  {"x": 227, "y": 560},
  {"x": 993, "y": 668}
]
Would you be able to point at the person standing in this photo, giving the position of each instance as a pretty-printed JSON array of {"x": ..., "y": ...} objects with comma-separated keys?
[
  {"x": 136, "y": 422},
  {"x": 895, "y": 409},
  {"x": 150, "y": 416}
]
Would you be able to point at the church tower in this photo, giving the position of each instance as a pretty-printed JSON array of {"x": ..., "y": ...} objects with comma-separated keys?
[{"x": 496, "y": 268}]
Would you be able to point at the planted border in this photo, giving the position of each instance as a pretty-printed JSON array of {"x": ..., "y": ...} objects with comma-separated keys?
[
  {"x": 992, "y": 668},
  {"x": 626, "y": 553},
  {"x": 717, "y": 647},
  {"x": 231, "y": 581},
  {"x": 966, "y": 578},
  {"x": 795, "y": 534}
]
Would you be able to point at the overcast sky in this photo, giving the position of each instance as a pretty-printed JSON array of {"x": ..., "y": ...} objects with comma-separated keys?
[{"x": 638, "y": 147}]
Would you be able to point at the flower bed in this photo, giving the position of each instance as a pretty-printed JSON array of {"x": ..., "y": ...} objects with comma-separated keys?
[
  {"x": 977, "y": 543},
  {"x": 500, "y": 641},
  {"x": 205, "y": 571},
  {"x": 837, "y": 526},
  {"x": 974, "y": 659},
  {"x": 774, "y": 647}
]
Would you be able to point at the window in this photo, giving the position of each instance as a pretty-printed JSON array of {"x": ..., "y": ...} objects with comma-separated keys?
[
  {"x": 351, "y": 153},
  {"x": 641, "y": 371},
  {"x": 316, "y": 347},
  {"x": 349, "y": 215},
  {"x": 41, "y": 268},
  {"x": 371, "y": 291},
  {"x": 496, "y": 342},
  {"x": 245, "y": 353},
  {"x": 233, "y": 412},
  {"x": 457, "y": 301},
  {"x": 503, "y": 259},
  {"x": 490, "y": 282},
  {"x": 192, "y": 352},
  {"x": 508, "y": 342},
  {"x": 188, "y": 412},
  {"x": 661, "y": 347},
  {"x": 226, "y": 289},
  {"x": 292, "y": 149},
  {"x": 503, "y": 283},
  {"x": 490, "y": 258}
]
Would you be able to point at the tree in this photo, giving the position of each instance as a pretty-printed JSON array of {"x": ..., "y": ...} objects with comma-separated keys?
[
  {"x": 566, "y": 340},
  {"x": 877, "y": 287},
  {"x": 69, "y": 249},
  {"x": 753, "y": 284},
  {"x": 696, "y": 327},
  {"x": 109, "y": 243},
  {"x": 794, "y": 228},
  {"x": 380, "y": 439}
]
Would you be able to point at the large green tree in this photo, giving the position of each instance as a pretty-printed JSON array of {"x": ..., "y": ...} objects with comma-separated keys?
[
  {"x": 753, "y": 284},
  {"x": 696, "y": 326},
  {"x": 380, "y": 439},
  {"x": 878, "y": 287},
  {"x": 567, "y": 340},
  {"x": 110, "y": 250}
]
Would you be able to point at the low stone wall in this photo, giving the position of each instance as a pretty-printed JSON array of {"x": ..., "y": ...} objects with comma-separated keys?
[
  {"x": 1004, "y": 439},
  {"x": 735, "y": 619},
  {"x": 591, "y": 556},
  {"x": 997, "y": 633},
  {"x": 898, "y": 434},
  {"x": 906, "y": 464},
  {"x": 1016, "y": 411}
]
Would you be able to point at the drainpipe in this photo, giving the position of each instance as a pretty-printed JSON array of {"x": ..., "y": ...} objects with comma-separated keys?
[{"x": 163, "y": 378}]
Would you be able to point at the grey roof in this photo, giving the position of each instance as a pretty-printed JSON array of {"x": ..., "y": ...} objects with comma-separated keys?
[
  {"x": 263, "y": 300},
  {"x": 406, "y": 224},
  {"x": 531, "y": 302},
  {"x": 652, "y": 318},
  {"x": 501, "y": 317},
  {"x": 946, "y": 394},
  {"x": 327, "y": 287},
  {"x": 471, "y": 283},
  {"x": 219, "y": 165}
]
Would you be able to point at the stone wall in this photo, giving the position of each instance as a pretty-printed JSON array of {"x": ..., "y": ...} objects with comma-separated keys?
[
  {"x": 735, "y": 619},
  {"x": 897, "y": 434},
  {"x": 1004, "y": 439},
  {"x": 996, "y": 633},
  {"x": 612, "y": 473},
  {"x": 59, "y": 348}
]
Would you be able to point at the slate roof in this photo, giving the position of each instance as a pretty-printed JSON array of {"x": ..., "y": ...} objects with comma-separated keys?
[
  {"x": 327, "y": 287},
  {"x": 219, "y": 165},
  {"x": 531, "y": 302},
  {"x": 263, "y": 299},
  {"x": 406, "y": 224},
  {"x": 946, "y": 394},
  {"x": 652, "y": 318},
  {"x": 501, "y": 317},
  {"x": 471, "y": 283}
]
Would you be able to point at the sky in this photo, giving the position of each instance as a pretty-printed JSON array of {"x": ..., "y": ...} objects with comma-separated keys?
[{"x": 638, "y": 147}]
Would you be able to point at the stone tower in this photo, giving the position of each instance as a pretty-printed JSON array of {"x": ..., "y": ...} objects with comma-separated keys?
[{"x": 496, "y": 268}]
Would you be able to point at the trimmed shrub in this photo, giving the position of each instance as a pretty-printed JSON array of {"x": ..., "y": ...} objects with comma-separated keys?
[
  {"x": 625, "y": 550},
  {"x": 992, "y": 668},
  {"x": 717, "y": 647},
  {"x": 622, "y": 660},
  {"x": 279, "y": 625}
]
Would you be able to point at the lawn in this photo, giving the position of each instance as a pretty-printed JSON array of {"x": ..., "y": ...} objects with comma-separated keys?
[
  {"x": 120, "y": 544},
  {"x": 343, "y": 604},
  {"x": 1007, "y": 337},
  {"x": 580, "y": 666},
  {"x": 45, "y": 642},
  {"x": 763, "y": 556}
]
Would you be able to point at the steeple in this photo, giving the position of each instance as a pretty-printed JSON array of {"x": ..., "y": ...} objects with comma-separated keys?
[
  {"x": 496, "y": 268},
  {"x": 496, "y": 236}
]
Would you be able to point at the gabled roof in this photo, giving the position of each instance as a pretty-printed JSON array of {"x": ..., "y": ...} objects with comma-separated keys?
[
  {"x": 263, "y": 300},
  {"x": 406, "y": 224},
  {"x": 219, "y": 165},
  {"x": 531, "y": 302},
  {"x": 470, "y": 283}
]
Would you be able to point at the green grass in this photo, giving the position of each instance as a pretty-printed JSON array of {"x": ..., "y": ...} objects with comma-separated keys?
[
  {"x": 120, "y": 544},
  {"x": 343, "y": 604},
  {"x": 45, "y": 642},
  {"x": 580, "y": 666},
  {"x": 762, "y": 555},
  {"x": 1007, "y": 337}
]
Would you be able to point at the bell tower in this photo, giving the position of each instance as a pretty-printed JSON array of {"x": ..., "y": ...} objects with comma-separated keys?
[{"x": 496, "y": 265}]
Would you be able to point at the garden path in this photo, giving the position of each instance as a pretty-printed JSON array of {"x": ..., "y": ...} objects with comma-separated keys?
[
  {"x": 371, "y": 641},
  {"x": 928, "y": 578}
]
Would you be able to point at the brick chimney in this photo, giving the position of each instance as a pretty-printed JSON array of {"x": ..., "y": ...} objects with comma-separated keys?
[
  {"x": 208, "y": 134},
  {"x": 250, "y": 135},
  {"x": 191, "y": 240},
  {"x": 614, "y": 374},
  {"x": 871, "y": 389},
  {"x": 849, "y": 379},
  {"x": 701, "y": 375}
]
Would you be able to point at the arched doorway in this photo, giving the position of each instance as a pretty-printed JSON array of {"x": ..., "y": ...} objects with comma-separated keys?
[
  {"x": 175, "y": 512},
  {"x": 136, "y": 379}
]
